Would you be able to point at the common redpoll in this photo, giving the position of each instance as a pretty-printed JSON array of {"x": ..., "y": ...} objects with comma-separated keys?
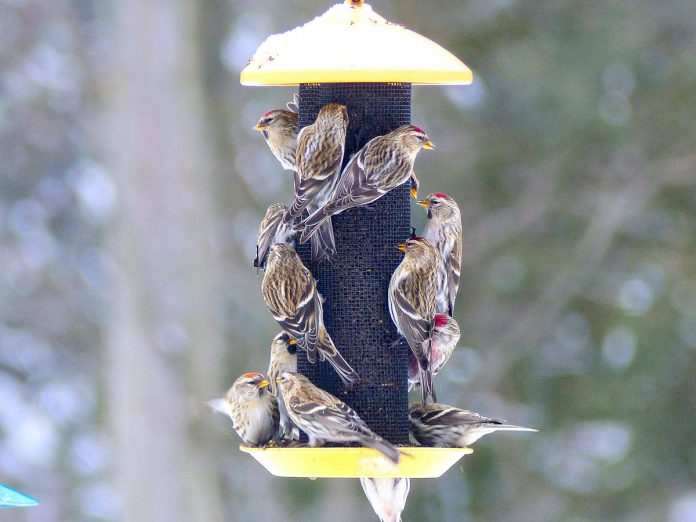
[
  {"x": 445, "y": 426},
  {"x": 324, "y": 418},
  {"x": 443, "y": 340},
  {"x": 291, "y": 295},
  {"x": 387, "y": 496},
  {"x": 320, "y": 148},
  {"x": 279, "y": 128},
  {"x": 252, "y": 408},
  {"x": 283, "y": 359},
  {"x": 271, "y": 231},
  {"x": 383, "y": 164},
  {"x": 412, "y": 303},
  {"x": 444, "y": 230}
]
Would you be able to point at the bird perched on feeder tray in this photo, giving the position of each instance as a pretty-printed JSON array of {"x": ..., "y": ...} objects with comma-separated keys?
[
  {"x": 319, "y": 157},
  {"x": 444, "y": 230},
  {"x": 283, "y": 359},
  {"x": 444, "y": 337},
  {"x": 383, "y": 164},
  {"x": 443, "y": 426},
  {"x": 271, "y": 231},
  {"x": 252, "y": 408},
  {"x": 387, "y": 496},
  {"x": 412, "y": 292},
  {"x": 279, "y": 128},
  {"x": 291, "y": 295},
  {"x": 325, "y": 418}
]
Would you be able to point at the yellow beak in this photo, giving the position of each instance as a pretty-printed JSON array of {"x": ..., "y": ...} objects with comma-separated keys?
[
  {"x": 278, "y": 380},
  {"x": 292, "y": 341},
  {"x": 425, "y": 203},
  {"x": 428, "y": 145},
  {"x": 259, "y": 127},
  {"x": 264, "y": 384},
  {"x": 402, "y": 247},
  {"x": 414, "y": 192}
]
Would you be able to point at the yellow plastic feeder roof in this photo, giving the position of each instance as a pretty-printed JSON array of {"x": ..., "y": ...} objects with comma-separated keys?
[
  {"x": 416, "y": 462},
  {"x": 352, "y": 43}
]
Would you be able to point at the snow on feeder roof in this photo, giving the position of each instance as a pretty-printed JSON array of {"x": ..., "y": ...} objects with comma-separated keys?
[{"x": 352, "y": 43}]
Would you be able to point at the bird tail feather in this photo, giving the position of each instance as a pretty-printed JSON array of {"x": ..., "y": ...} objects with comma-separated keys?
[
  {"x": 295, "y": 210},
  {"x": 323, "y": 242},
  {"x": 512, "y": 427},
  {"x": 426, "y": 381},
  {"x": 344, "y": 370},
  {"x": 385, "y": 448},
  {"x": 311, "y": 225}
]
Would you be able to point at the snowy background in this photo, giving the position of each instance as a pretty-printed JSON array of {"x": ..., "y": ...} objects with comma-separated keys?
[{"x": 131, "y": 185}]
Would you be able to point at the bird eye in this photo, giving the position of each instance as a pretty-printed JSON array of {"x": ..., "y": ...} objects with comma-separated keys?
[
  {"x": 435, "y": 202},
  {"x": 267, "y": 121}
]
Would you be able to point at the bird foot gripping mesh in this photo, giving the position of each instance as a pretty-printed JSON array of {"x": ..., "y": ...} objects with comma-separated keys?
[{"x": 355, "y": 282}]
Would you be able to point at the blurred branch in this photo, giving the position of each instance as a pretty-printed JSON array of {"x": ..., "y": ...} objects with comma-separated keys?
[
  {"x": 611, "y": 212},
  {"x": 500, "y": 226},
  {"x": 14, "y": 372}
]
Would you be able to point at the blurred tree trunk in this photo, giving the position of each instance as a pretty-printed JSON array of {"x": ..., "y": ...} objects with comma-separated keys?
[{"x": 164, "y": 348}]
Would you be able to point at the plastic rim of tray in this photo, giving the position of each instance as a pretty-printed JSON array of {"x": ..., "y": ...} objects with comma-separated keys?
[{"x": 349, "y": 462}]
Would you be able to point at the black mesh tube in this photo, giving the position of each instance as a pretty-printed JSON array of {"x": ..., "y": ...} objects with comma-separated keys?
[{"x": 355, "y": 283}]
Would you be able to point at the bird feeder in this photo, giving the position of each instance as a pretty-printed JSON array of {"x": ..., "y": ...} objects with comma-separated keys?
[{"x": 352, "y": 56}]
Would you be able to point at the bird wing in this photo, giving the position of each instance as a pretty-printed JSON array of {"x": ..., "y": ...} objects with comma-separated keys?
[
  {"x": 330, "y": 413},
  {"x": 267, "y": 234},
  {"x": 355, "y": 186},
  {"x": 414, "y": 326},
  {"x": 453, "y": 264},
  {"x": 451, "y": 416},
  {"x": 301, "y": 321},
  {"x": 308, "y": 318},
  {"x": 311, "y": 176}
]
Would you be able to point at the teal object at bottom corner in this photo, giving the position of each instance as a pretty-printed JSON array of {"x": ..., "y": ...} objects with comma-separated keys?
[{"x": 12, "y": 498}]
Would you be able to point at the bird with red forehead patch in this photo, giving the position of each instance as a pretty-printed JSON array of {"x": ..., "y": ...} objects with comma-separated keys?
[
  {"x": 444, "y": 230},
  {"x": 412, "y": 292},
  {"x": 443, "y": 340},
  {"x": 383, "y": 164},
  {"x": 279, "y": 129},
  {"x": 252, "y": 408}
]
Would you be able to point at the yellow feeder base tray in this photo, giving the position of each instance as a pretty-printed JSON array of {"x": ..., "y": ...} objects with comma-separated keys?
[{"x": 337, "y": 462}]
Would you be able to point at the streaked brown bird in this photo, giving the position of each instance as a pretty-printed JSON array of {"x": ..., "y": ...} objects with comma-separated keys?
[
  {"x": 291, "y": 295},
  {"x": 283, "y": 359},
  {"x": 252, "y": 408},
  {"x": 443, "y": 426},
  {"x": 320, "y": 148},
  {"x": 272, "y": 230},
  {"x": 443, "y": 340},
  {"x": 383, "y": 164},
  {"x": 444, "y": 230},
  {"x": 279, "y": 129},
  {"x": 412, "y": 291},
  {"x": 325, "y": 418}
]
